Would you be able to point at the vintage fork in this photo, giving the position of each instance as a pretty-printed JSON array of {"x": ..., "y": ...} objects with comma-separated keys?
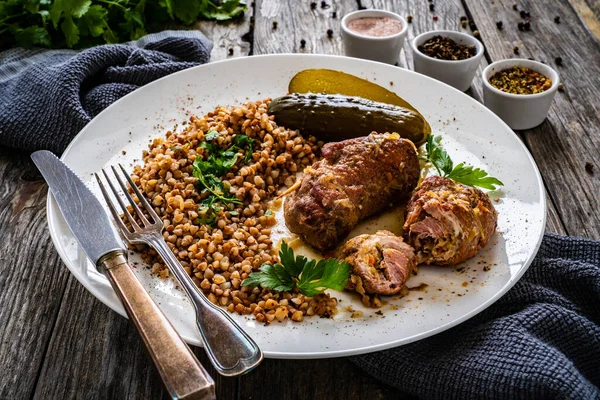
[{"x": 231, "y": 350}]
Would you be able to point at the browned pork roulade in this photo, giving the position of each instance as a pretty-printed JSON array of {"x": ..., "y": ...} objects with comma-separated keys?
[
  {"x": 381, "y": 263},
  {"x": 448, "y": 222},
  {"x": 355, "y": 179}
]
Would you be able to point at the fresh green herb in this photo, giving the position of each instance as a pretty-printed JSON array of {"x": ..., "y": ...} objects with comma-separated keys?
[
  {"x": 462, "y": 173},
  {"x": 176, "y": 148},
  {"x": 85, "y": 23},
  {"x": 218, "y": 163},
  {"x": 268, "y": 213},
  {"x": 234, "y": 213},
  {"x": 309, "y": 276}
]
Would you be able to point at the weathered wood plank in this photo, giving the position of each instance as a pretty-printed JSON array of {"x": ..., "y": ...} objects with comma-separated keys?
[
  {"x": 569, "y": 137},
  {"x": 589, "y": 13},
  {"x": 31, "y": 285},
  {"x": 227, "y": 36},
  {"x": 95, "y": 354},
  {"x": 297, "y": 21}
]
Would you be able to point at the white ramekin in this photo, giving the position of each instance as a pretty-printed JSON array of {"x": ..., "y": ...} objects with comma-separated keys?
[
  {"x": 383, "y": 49},
  {"x": 519, "y": 111},
  {"x": 456, "y": 73}
]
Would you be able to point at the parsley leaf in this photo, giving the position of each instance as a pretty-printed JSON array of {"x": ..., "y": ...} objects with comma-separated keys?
[
  {"x": 462, "y": 173},
  {"x": 309, "y": 276},
  {"x": 211, "y": 135}
]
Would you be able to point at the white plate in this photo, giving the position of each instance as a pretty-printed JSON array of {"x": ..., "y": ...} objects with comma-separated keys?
[{"x": 471, "y": 134}]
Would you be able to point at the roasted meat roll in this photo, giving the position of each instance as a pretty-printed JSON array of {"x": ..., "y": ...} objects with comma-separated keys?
[
  {"x": 381, "y": 263},
  {"x": 448, "y": 222},
  {"x": 355, "y": 179}
]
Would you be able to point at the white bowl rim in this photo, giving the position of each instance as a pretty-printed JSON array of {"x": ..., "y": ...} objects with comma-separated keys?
[
  {"x": 478, "y": 46},
  {"x": 375, "y": 38},
  {"x": 511, "y": 62}
]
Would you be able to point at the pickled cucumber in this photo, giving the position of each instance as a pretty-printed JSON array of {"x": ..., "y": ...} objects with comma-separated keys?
[{"x": 334, "y": 117}]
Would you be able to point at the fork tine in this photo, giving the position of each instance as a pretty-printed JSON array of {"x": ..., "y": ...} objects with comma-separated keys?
[
  {"x": 123, "y": 207},
  {"x": 111, "y": 205},
  {"x": 141, "y": 197},
  {"x": 135, "y": 207}
]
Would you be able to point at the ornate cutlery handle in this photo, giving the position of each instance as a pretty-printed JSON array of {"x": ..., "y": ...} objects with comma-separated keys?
[
  {"x": 182, "y": 374},
  {"x": 231, "y": 350}
]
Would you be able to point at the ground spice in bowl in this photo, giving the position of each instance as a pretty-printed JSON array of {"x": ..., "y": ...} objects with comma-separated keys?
[
  {"x": 520, "y": 80},
  {"x": 444, "y": 48}
]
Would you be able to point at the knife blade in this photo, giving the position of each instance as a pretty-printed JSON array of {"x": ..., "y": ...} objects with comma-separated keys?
[
  {"x": 82, "y": 211},
  {"x": 183, "y": 376}
]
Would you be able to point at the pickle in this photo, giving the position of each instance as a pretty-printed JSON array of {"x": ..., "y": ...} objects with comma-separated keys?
[{"x": 337, "y": 117}]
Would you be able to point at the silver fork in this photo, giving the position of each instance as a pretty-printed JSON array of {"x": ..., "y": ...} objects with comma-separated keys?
[{"x": 230, "y": 349}]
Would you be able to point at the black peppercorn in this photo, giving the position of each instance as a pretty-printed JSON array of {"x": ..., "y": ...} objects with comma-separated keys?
[
  {"x": 274, "y": 24},
  {"x": 329, "y": 33},
  {"x": 324, "y": 5},
  {"x": 334, "y": 14},
  {"x": 522, "y": 13},
  {"x": 589, "y": 167},
  {"x": 431, "y": 7},
  {"x": 521, "y": 26},
  {"x": 557, "y": 19},
  {"x": 515, "y": 7},
  {"x": 558, "y": 60},
  {"x": 409, "y": 18},
  {"x": 527, "y": 15},
  {"x": 230, "y": 52},
  {"x": 516, "y": 50},
  {"x": 531, "y": 58},
  {"x": 463, "y": 18},
  {"x": 313, "y": 5},
  {"x": 499, "y": 25},
  {"x": 302, "y": 43},
  {"x": 527, "y": 26},
  {"x": 463, "y": 23},
  {"x": 472, "y": 26}
]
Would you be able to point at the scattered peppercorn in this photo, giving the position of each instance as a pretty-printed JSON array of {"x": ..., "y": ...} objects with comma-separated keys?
[
  {"x": 431, "y": 7},
  {"x": 589, "y": 168},
  {"x": 329, "y": 33},
  {"x": 463, "y": 23},
  {"x": 515, "y": 7},
  {"x": 302, "y": 43},
  {"x": 527, "y": 26},
  {"x": 521, "y": 26},
  {"x": 522, "y": 13},
  {"x": 274, "y": 24},
  {"x": 472, "y": 26},
  {"x": 463, "y": 18},
  {"x": 516, "y": 50},
  {"x": 558, "y": 61},
  {"x": 561, "y": 88},
  {"x": 409, "y": 18},
  {"x": 476, "y": 33},
  {"x": 444, "y": 48},
  {"x": 313, "y": 5},
  {"x": 435, "y": 17},
  {"x": 230, "y": 52},
  {"x": 324, "y": 5},
  {"x": 334, "y": 14},
  {"x": 557, "y": 20},
  {"x": 520, "y": 80},
  {"x": 499, "y": 25}
]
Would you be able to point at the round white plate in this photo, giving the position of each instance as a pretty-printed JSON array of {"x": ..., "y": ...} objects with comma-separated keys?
[{"x": 472, "y": 134}]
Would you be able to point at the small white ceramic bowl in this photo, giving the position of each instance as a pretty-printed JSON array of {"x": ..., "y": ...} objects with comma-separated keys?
[
  {"x": 458, "y": 73},
  {"x": 383, "y": 49},
  {"x": 519, "y": 111}
]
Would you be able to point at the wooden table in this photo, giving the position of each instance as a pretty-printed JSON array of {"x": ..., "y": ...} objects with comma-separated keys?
[{"x": 57, "y": 341}]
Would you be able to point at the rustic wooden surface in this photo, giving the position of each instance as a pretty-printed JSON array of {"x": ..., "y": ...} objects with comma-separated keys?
[{"x": 57, "y": 341}]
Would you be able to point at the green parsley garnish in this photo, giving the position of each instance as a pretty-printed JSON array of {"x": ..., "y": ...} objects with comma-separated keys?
[
  {"x": 85, "y": 23},
  {"x": 268, "y": 213},
  {"x": 218, "y": 163},
  {"x": 309, "y": 276},
  {"x": 462, "y": 173}
]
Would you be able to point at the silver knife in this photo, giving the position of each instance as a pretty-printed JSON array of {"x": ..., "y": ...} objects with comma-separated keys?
[{"x": 182, "y": 374}]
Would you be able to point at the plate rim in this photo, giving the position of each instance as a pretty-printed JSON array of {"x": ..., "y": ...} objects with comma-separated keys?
[{"x": 51, "y": 210}]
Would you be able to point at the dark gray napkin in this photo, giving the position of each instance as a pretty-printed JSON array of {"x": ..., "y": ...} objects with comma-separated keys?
[
  {"x": 48, "y": 96},
  {"x": 541, "y": 340}
]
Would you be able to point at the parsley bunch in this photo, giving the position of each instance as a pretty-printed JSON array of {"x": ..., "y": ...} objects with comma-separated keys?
[
  {"x": 462, "y": 173},
  {"x": 309, "y": 276},
  {"x": 85, "y": 23},
  {"x": 218, "y": 163}
]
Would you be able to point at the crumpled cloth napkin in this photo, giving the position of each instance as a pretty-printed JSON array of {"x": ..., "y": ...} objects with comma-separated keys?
[
  {"x": 541, "y": 340},
  {"x": 48, "y": 96}
]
